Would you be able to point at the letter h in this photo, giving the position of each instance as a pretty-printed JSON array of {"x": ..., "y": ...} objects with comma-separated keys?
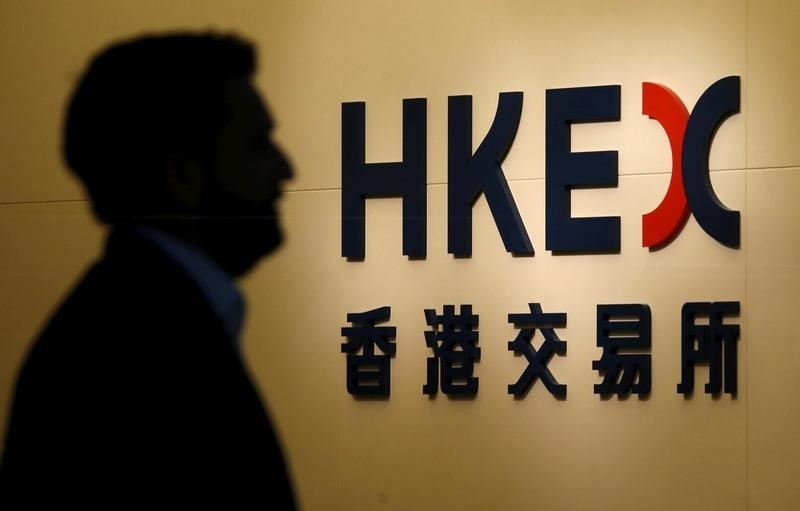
[{"x": 406, "y": 179}]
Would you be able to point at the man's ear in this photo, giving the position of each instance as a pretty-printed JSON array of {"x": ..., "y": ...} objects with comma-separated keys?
[{"x": 185, "y": 180}]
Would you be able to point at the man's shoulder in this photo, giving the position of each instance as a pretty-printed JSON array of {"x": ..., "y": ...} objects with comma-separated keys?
[
  {"x": 133, "y": 269},
  {"x": 134, "y": 292},
  {"x": 132, "y": 315}
]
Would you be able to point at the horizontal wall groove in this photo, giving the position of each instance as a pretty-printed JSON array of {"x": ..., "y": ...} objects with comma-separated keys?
[
  {"x": 39, "y": 202},
  {"x": 436, "y": 183}
]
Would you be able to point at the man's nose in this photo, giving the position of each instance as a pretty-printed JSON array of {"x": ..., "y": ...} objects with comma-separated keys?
[
  {"x": 280, "y": 168},
  {"x": 284, "y": 171}
]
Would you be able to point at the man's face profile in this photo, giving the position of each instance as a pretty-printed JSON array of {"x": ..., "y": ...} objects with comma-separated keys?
[
  {"x": 168, "y": 132},
  {"x": 244, "y": 181}
]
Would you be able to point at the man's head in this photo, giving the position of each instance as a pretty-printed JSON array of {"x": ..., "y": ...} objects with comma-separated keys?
[{"x": 168, "y": 131}]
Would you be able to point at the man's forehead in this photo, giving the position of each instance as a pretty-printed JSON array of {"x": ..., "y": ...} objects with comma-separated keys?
[{"x": 246, "y": 105}]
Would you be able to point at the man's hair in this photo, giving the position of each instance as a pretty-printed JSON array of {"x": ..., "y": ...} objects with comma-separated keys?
[{"x": 141, "y": 101}]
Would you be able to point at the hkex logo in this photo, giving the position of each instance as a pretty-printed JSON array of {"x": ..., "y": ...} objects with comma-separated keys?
[{"x": 475, "y": 172}]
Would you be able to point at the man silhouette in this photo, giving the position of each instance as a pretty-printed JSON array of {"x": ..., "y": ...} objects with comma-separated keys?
[{"x": 136, "y": 390}]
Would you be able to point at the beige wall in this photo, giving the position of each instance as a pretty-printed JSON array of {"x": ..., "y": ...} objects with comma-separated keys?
[{"x": 494, "y": 452}]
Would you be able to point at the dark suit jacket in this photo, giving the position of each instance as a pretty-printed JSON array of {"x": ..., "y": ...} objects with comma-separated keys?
[{"x": 133, "y": 391}]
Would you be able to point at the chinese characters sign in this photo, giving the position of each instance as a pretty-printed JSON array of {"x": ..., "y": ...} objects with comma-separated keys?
[{"x": 453, "y": 340}]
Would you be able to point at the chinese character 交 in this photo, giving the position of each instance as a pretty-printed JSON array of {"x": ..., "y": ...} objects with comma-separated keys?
[{"x": 537, "y": 360}]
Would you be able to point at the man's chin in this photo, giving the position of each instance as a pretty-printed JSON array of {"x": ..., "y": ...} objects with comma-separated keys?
[{"x": 239, "y": 250}]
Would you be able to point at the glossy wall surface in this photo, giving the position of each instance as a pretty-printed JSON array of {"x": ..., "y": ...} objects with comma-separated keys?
[{"x": 494, "y": 451}]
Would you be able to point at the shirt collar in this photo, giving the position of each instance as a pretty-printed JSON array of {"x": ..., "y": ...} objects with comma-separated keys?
[{"x": 216, "y": 285}]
